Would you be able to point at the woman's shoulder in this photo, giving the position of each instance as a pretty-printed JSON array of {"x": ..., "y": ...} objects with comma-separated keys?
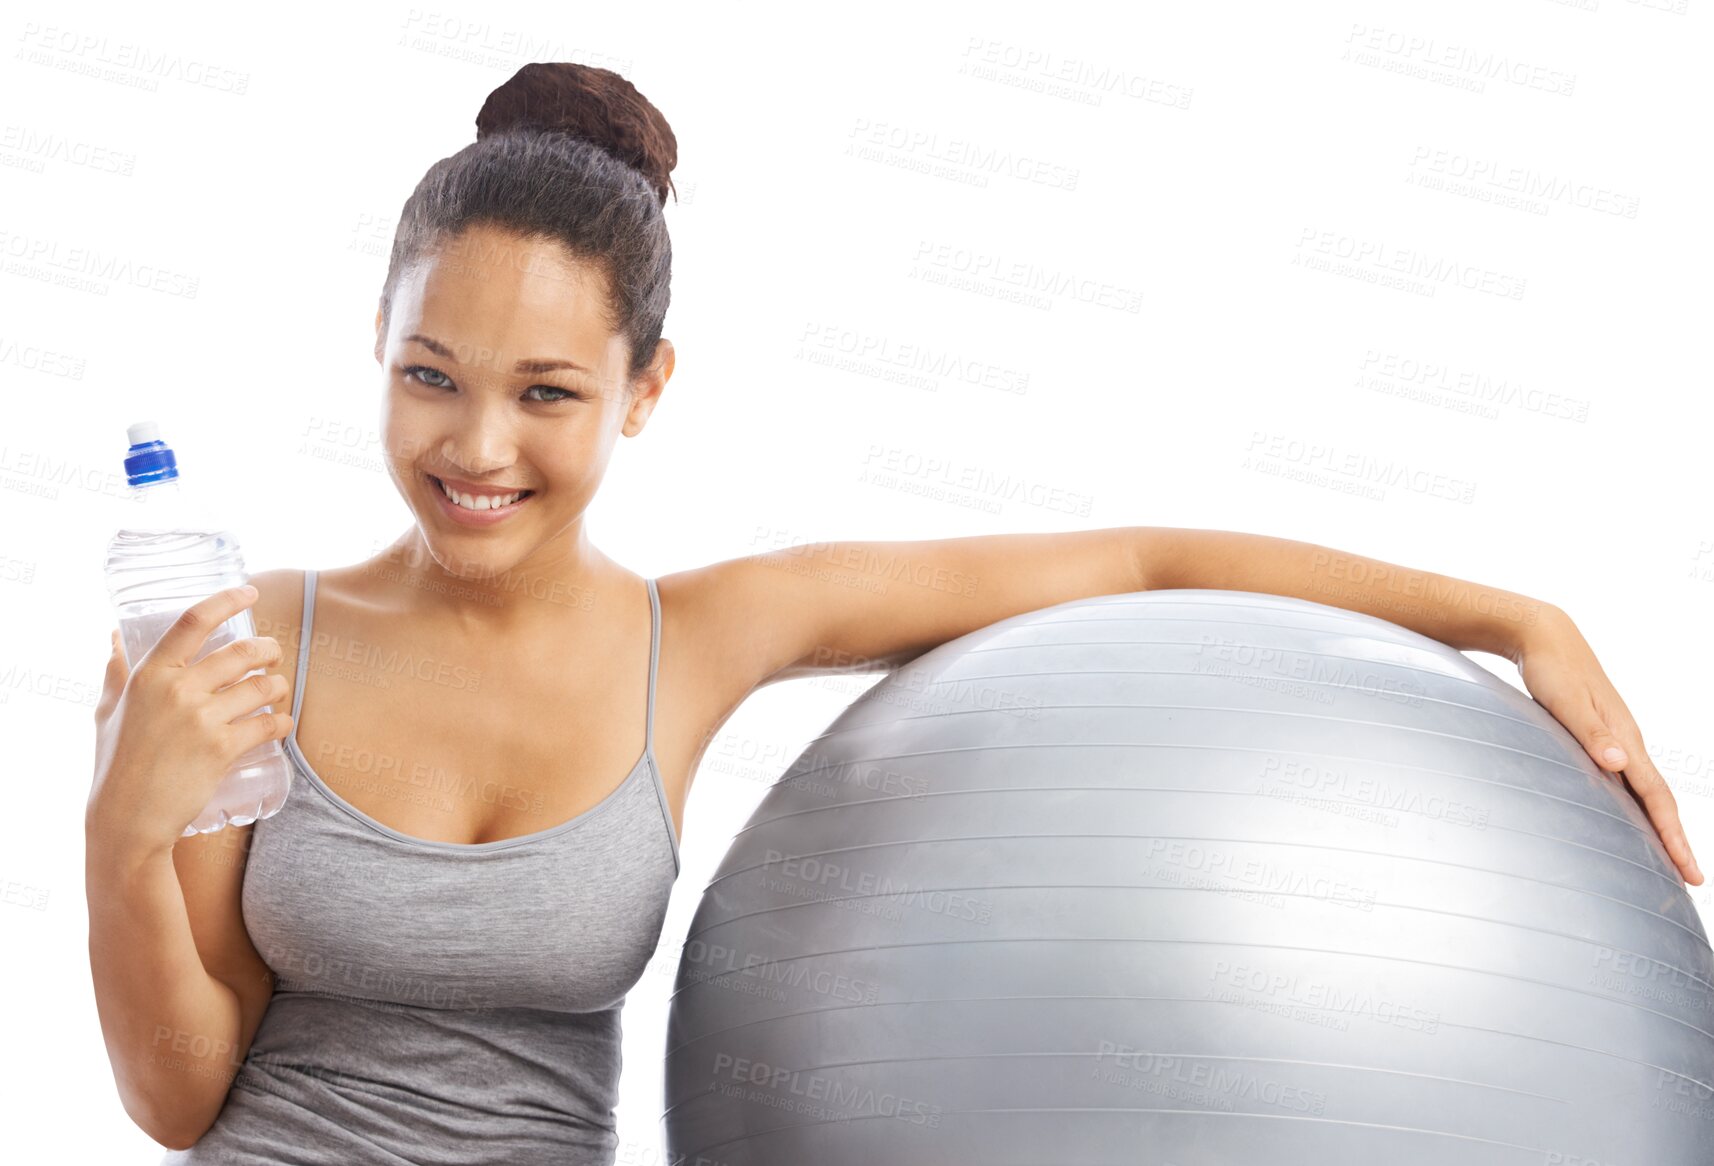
[
  {"x": 278, "y": 612},
  {"x": 731, "y": 612},
  {"x": 279, "y": 601}
]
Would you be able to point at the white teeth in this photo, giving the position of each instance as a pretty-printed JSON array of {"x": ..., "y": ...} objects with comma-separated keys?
[{"x": 478, "y": 501}]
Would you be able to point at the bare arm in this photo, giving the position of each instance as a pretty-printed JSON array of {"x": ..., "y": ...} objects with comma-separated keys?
[
  {"x": 867, "y": 606},
  {"x": 1468, "y": 616},
  {"x": 176, "y": 1033},
  {"x": 862, "y": 606},
  {"x": 179, "y": 988}
]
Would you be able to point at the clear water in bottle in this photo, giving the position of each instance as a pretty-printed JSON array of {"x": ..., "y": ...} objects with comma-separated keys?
[{"x": 169, "y": 556}]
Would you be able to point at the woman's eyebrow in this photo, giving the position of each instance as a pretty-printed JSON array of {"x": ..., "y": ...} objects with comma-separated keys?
[{"x": 539, "y": 364}]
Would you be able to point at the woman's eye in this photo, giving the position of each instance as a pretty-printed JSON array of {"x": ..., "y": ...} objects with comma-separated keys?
[
  {"x": 564, "y": 394},
  {"x": 413, "y": 370}
]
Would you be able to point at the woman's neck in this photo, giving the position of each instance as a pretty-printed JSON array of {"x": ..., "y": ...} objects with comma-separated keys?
[{"x": 564, "y": 575}]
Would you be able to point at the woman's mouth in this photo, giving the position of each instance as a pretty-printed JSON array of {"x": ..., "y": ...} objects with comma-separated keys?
[{"x": 471, "y": 508}]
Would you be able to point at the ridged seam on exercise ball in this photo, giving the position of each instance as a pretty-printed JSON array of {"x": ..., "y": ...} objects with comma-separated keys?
[{"x": 1193, "y": 877}]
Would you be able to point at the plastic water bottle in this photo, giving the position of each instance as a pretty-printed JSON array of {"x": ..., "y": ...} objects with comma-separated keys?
[{"x": 170, "y": 556}]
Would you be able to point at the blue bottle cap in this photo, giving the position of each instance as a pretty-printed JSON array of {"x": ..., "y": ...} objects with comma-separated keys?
[{"x": 149, "y": 459}]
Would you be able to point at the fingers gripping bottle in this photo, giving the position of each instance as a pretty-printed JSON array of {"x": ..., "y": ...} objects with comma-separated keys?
[{"x": 169, "y": 556}]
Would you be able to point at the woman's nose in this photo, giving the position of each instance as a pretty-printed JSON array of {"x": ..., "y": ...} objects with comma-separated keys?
[
  {"x": 480, "y": 441},
  {"x": 477, "y": 452}
]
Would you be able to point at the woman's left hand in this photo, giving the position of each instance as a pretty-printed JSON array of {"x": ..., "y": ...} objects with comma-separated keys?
[{"x": 1561, "y": 672}]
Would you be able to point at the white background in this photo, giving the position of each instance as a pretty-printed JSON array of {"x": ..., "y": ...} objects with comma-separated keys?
[{"x": 841, "y": 173}]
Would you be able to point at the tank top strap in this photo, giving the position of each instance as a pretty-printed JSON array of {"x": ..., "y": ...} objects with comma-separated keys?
[
  {"x": 654, "y": 658},
  {"x": 303, "y": 643}
]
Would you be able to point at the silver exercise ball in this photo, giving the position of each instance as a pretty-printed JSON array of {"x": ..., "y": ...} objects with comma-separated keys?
[{"x": 1193, "y": 877}]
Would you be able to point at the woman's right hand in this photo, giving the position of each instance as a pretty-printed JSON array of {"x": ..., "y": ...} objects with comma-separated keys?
[{"x": 168, "y": 731}]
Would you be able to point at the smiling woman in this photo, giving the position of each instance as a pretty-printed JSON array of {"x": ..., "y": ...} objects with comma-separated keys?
[
  {"x": 480, "y": 731},
  {"x": 473, "y": 711}
]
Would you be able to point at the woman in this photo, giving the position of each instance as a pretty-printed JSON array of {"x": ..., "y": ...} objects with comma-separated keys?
[{"x": 437, "y": 977}]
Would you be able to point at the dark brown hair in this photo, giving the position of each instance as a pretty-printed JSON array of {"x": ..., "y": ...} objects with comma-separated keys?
[{"x": 566, "y": 152}]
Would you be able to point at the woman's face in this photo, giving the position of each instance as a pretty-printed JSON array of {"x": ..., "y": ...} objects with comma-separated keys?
[{"x": 502, "y": 376}]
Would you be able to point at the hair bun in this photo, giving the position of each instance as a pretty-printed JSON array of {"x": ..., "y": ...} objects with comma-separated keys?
[{"x": 588, "y": 102}]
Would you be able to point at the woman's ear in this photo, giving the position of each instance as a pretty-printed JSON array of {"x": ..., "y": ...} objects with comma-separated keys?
[
  {"x": 647, "y": 386},
  {"x": 664, "y": 358}
]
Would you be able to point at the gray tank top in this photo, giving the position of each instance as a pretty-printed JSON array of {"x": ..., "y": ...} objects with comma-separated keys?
[{"x": 441, "y": 1002}]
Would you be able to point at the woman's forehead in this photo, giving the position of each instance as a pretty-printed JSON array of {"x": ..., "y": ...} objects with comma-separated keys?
[{"x": 510, "y": 313}]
